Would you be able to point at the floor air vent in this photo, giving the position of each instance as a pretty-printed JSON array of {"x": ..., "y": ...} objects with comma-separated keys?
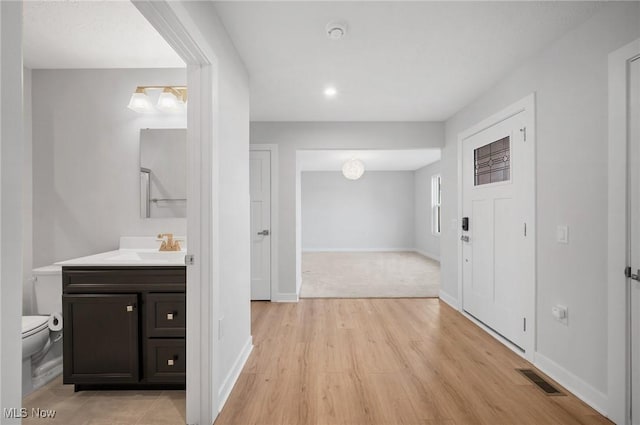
[{"x": 540, "y": 382}]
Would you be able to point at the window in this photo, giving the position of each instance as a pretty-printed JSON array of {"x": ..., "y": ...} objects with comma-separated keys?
[
  {"x": 492, "y": 162},
  {"x": 436, "y": 201}
]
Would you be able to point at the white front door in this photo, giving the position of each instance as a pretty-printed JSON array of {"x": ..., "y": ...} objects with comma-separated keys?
[
  {"x": 260, "y": 175},
  {"x": 497, "y": 174},
  {"x": 634, "y": 228}
]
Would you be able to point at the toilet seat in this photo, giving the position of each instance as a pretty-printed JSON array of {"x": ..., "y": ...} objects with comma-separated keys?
[{"x": 33, "y": 324}]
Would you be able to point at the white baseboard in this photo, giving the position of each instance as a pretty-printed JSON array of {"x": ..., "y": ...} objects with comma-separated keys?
[
  {"x": 449, "y": 299},
  {"x": 428, "y": 255},
  {"x": 234, "y": 373},
  {"x": 286, "y": 297},
  {"x": 571, "y": 382},
  {"x": 358, "y": 250}
]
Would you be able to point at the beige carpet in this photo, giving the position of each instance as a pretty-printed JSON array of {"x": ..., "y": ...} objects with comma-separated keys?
[{"x": 369, "y": 275}]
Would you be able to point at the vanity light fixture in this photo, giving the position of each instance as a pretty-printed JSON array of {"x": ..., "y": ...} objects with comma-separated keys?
[
  {"x": 172, "y": 99},
  {"x": 140, "y": 102},
  {"x": 353, "y": 169}
]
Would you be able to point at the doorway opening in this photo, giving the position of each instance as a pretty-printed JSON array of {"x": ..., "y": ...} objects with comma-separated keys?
[
  {"x": 165, "y": 200},
  {"x": 623, "y": 289},
  {"x": 365, "y": 223}
]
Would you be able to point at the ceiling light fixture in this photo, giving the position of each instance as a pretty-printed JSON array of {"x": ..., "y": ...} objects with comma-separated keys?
[
  {"x": 172, "y": 99},
  {"x": 353, "y": 169},
  {"x": 330, "y": 92}
]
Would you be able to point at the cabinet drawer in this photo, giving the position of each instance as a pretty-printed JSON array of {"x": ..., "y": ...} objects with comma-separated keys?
[
  {"x": 166, "y": 315},
  {"x": 123, "y": 279},
  {"x": 166, "y": 360}
]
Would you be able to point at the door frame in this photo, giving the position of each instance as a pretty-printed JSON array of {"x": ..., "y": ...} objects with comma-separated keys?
[
  {"x": 526, "y": 106},
  {"x": 273, "y": 149},
  {"x": 618, "y": 331},
  {"x": 175, "y": 25}
]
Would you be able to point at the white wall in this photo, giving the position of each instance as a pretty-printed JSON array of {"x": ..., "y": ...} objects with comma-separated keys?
[
  {"x": 426, "y": 242},
  {"x": 293, "y": 136},
  {"x": 11, "y": 157},
  {"x": 570, "y": 82},
  {"x": 232, "y": 125},
  {"x": 86, "y": 160},
  {"x": 373, "y": 213},
  {"x": 27, "y": 201}
]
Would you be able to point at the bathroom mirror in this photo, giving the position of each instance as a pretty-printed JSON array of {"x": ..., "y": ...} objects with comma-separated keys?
[{"x": 163, "y": 173}]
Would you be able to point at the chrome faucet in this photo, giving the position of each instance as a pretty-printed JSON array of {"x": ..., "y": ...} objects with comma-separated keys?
[{"x": 168, "y": 244}]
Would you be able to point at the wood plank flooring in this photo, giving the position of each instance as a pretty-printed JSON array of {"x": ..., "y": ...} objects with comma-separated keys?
[{"x": 387, "y": 362}]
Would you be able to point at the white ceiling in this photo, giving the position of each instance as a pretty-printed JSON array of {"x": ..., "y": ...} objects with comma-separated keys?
[
  {"x": 374, "y": 160},
  {"x": 400, "y": 61},
  {"x": 92, "y": 34}
]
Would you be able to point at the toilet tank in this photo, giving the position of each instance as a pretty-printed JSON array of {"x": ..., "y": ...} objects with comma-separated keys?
[{"x": 47, "y": 288}]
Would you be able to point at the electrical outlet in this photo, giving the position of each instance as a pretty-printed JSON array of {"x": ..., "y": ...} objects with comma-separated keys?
[{"x": 560, "y": 313}]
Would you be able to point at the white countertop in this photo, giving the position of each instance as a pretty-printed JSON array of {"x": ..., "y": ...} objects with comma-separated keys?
[
  {"x": 134, "y": 251},
  {"x": 129, "y": 257}
]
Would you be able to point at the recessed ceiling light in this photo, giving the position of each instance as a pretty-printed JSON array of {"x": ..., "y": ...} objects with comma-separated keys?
[{"x": 330, "y": 92}]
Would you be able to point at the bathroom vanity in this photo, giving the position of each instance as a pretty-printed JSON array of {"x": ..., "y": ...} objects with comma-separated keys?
[{"x": 124, "y": 316}]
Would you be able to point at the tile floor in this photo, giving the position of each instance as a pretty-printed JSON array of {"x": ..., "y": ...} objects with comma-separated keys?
[{"x": 105, "y": 407}]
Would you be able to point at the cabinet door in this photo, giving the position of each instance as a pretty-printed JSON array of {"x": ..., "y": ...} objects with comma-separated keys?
[{"x": 100, "y": 339}]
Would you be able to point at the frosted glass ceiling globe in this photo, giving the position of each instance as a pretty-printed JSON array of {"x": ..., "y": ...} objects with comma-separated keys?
[{"x": 353, "y": 169}]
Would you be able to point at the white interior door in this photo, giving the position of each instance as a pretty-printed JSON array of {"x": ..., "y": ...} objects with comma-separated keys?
[
  {"x": 497, "y": 171},
  {"x": 634, "y": 228},
  {"x": 260, "y": 171}
]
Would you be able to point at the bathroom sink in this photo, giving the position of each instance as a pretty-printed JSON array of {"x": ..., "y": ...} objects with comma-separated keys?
[
  {"x": 135, "y": 251},
  {"x": 130, "y": 257},
  {"x": 146, "y": 257}
]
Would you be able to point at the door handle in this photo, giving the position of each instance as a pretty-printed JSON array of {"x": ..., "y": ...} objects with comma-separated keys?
[
  {"x": 632, "y": 276},
  {"x": 264, "y": 233}
]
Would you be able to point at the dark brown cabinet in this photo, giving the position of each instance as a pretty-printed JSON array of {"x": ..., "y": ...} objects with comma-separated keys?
[
  {"x": 124, "y": 327},
  {"x": 101, "y": 338}
]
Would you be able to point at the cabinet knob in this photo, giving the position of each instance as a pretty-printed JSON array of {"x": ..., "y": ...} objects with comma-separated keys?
[
  {"x": 170, "y": 316},
  {"x": 129, "y": 308},
  {"x": 172, "y": 361}
]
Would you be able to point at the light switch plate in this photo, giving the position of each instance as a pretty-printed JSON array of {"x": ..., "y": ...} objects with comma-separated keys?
[{"x": 562, "y": 233}]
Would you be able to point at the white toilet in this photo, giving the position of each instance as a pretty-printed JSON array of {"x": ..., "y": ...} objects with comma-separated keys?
[{"x": 42, "y": 333}]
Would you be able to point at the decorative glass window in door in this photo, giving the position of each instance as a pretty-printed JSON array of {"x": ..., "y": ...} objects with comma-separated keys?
[{"x": 492, "y": 162}]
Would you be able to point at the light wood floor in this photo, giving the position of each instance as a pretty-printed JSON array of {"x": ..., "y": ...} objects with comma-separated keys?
[{"x": 385, "y": 361}]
